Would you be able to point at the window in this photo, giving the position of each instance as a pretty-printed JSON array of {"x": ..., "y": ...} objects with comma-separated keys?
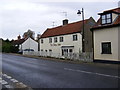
[
  {"x": 64, "y": 51},
  {"x": 103, "y": 19},
  {"x": 50, "y": 40},
  {"x": 106, "y": 47},
  {"x": 61, "y": 39},
  {"x": 67, "y": 51},
  {"x": 55, "y": 39},
  {"x": 41, "y": 40},
  {"x": 50, "y": 50},
  {"x": 74, "y": 37},
  {"x": 70, "y": 50},
  {"x": 106, "y": 19}
]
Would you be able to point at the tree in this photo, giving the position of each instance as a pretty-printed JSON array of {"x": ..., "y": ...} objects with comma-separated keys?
[
  {"x": 28, "y": 34},
  {"x": 8, "y": 47}
]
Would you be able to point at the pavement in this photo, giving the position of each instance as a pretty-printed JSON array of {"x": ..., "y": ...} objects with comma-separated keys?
[
  {"x": 70, "y": 61},
  {"x": 39, "y": 72}
]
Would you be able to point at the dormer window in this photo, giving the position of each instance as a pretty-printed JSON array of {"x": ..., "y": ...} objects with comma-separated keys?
[{"x": 106, "y": 18}]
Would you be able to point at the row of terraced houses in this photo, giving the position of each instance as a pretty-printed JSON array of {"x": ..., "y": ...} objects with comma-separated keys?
[{"x": 101, "y": 39}]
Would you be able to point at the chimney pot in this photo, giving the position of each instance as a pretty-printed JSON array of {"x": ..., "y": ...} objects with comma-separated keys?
[
  {"x": 19, "y": 37},
  {"x": 65, "y": 22}
]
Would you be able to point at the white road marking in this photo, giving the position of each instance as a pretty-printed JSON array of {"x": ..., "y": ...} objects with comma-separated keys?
[
  {"x": 106, "y": 75},
  {"x": 8, "y": 86},
  {"x": 13, "y": 80},
  {"x": 9, "y": 77},
  {"x": 4, "y": 82},
  {"x": 4, "y": 75}
]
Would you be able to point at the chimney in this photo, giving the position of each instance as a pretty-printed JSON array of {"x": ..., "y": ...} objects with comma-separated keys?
[
  {"x": 65, "y": 22},
  {"x": 19, "y": 37}
]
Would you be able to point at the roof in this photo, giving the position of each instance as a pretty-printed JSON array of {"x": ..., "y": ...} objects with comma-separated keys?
[
  {"x": 18, "y": 42},
  {"x": 116, "y": 10},
  {"x": 64, "y": 29},
  {"x": 116, "y": 22}
]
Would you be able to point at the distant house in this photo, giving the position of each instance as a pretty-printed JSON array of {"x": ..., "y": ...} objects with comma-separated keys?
[
  {"x": 106, "y": 36},
  {"x": 67, "y": 38},
  {"x": 30, "y": 44},
  {"x": 18, "y": 43},
  {"x": 26, "y": 44}
]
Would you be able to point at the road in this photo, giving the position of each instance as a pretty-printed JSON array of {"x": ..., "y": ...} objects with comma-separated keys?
[{"x": 39, "y": 73}]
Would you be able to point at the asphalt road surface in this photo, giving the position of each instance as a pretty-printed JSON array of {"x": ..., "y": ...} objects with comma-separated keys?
[{"x": 38, "y": 73}]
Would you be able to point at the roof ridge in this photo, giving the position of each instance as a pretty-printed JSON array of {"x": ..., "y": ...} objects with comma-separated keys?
[{"x": 67, "y": 24}]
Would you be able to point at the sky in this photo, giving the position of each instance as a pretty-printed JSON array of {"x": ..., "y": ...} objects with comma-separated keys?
[{"x": 17, "y": 16}]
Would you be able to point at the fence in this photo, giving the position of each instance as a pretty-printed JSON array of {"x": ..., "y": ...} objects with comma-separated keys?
[{"x": 86, "y": 57}]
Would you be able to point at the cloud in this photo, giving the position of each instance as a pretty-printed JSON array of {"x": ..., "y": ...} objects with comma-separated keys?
[{"x": 20, "y": 15}]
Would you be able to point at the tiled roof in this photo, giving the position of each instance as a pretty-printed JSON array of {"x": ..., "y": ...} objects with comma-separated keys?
[
  {"x": 18, "y": 42},
  {"x": 116, "y": 10},
  {"x": 114, "y": 23},
  {"x": 64, "y": 29}
]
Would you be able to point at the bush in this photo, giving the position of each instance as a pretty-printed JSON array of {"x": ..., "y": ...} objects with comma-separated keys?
[{"x": 7, "y": 47}]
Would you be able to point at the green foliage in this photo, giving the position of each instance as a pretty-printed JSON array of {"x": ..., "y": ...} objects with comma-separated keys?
[{"x": 7, "y": 47}]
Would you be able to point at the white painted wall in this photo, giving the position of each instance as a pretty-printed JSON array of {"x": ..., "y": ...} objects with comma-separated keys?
[
  {"x": 68, "y": 41},
  {"x": 114, "y": 16},
  {"x": 30, "y": 44},
  {"x": 103, "y": 35},
  {"x": 119, "y": 43}
]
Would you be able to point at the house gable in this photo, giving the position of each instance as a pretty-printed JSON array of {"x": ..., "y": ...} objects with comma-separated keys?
[{"x": 30, "y": 44}]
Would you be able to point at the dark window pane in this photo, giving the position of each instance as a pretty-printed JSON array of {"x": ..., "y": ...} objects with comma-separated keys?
[
  {"x": 41, "y": 40},
  {"x": 50, "y": 40},
  {"x": 61, "y": 39},
  {"x": 70, "y": 50},
  {"x": 106, "y": 48},
  {"x": 55, "y": 39},
  {"x": 74, "y": 37}
]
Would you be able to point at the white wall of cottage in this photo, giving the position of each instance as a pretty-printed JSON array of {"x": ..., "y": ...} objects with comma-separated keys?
[
  {"x": 30, "y": 44},
  {"x": 56, "y": 47},
  {"x": 106, "y": 35},
  {"x": 119, "y": 43}
]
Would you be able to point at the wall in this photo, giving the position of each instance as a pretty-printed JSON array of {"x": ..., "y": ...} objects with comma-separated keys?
[
  {"x": 119, "y": 43},
  {"x": 30, "y": 44},
  {"x": 68, "y": 41},
  {"x": 114, "y": 16},
  {"x": 88, "y": 35},
  {"x": 107, "y": 34}
]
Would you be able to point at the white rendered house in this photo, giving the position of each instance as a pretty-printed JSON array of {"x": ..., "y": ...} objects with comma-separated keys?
[
  {"x": 106, "y": 36},
  {"x": 30, "y": 44},
  {"x": 26, "y": 44},
  {"x": 66, "y": 38}
]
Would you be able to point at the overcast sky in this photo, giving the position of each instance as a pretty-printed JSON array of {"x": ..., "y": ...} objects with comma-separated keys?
[{"x": 17, "y": 16}]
